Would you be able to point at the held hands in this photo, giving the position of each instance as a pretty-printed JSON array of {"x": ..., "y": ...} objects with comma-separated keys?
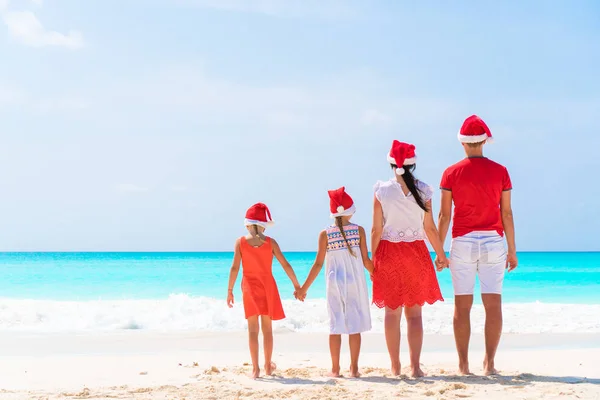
[
  {"x": 441, "y": 262},
  {"x": 511, "y": 261},
  {"x": 230, "y": 301},
  {"x": 300, "y": 293}
]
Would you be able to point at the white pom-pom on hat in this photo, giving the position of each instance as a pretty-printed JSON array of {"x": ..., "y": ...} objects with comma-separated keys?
[
  {"x": 340, "y": 209},
  {"x": 400, "y": 171}
]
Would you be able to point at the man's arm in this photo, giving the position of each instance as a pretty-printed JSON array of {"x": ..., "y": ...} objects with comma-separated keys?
[
  {"x": 445, "y": 215},
  {"x": 509, "y": 229}
]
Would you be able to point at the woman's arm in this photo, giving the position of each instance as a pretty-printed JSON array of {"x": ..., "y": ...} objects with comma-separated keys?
[
  {"x": 509, "y": 229},
  {"x": 377, "y": 229},
  {"x": 364, "y": 251},
  {"x": 445, "y": 215},
  {"x": 285, "y": 264},
  {"x": 434, "y": 238},
  {"x": 233, "y": 273},
  {"x": 317, "y": 266}
]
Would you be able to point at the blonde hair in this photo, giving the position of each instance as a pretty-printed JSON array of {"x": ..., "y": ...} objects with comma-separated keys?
[{"x": 257, "y": 234}]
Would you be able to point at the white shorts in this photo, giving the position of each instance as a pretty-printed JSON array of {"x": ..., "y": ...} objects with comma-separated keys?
[{"x": 478, "y": 253}]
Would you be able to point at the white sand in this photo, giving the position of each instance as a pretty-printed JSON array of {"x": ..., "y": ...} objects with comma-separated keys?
[{"x": 137, "y": 365}]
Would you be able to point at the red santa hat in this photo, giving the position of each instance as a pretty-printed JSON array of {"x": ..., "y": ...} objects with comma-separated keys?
[
  {"x": 340, "y": 203},
  {"x": 474, "y": 130},
  {"x": 260, "y": 215},
  {"x": 402, "y": 154}
]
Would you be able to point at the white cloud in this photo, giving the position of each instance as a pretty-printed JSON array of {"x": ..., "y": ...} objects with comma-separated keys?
[
  {"x": 25, "y": 27},
  {"x": 131, "y": 188}
]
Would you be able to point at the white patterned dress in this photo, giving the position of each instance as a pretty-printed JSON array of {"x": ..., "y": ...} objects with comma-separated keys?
[{"x": 347, "y": 296}]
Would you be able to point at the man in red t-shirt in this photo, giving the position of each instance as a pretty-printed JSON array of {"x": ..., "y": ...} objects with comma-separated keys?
[{"x": 480, "y": 190}]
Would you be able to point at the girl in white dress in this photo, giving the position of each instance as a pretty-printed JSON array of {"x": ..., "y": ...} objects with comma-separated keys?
[{"x": 344, "y": 248}]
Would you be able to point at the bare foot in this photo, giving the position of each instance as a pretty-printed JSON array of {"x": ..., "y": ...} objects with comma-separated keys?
[
  {"x": 335, "y": 373},
  {"x": 354, "y": 372},
  {"x": 488, "y": 369},
  {"x": 463, "y": 369},
  {"x": 255, "y": 374},
  {"x": 270, "y": 368},
  {"x": 417, "y": 372},
  {"x": 396, "y": 369}
]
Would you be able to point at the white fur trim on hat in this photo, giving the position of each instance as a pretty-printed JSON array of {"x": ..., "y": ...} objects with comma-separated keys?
[
  {"x": 249, "y": 222},
  {"x": 344, "y": 213},
  {"x": 475, "y": 138},
  {"x": 408, "y": 161}
]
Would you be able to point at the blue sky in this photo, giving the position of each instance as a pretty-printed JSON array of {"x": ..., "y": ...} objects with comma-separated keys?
[{"x": 154, "y": 124}]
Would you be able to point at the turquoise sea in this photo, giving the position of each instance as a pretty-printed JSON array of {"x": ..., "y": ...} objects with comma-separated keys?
[{"x": 104, "y": 291}]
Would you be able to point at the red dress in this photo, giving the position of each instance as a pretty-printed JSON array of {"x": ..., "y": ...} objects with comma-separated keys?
[
  {"x": 404, "y": 275},
  {"x": 259, "y": 289}
]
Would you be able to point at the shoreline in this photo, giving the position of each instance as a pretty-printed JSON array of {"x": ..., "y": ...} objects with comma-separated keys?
[{"x": 15, "y": 344}]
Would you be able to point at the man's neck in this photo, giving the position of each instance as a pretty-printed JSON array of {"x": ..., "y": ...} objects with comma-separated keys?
[{"x": 474, "y": 153}]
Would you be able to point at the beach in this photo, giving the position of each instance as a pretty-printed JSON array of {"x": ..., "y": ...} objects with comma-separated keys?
[
  {"x": 156, "y": 326},
  {"x": 143, "y": 365}
]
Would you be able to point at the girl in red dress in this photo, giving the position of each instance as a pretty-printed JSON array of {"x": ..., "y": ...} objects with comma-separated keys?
[
  {"x": 260, "y": 295},
  {"x": 404, "y": 275}
]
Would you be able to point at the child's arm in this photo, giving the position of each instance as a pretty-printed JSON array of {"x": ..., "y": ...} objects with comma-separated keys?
[
  {"x": 364, "y": 251},
  {"x": 285, "y": 264},
  {"x": 434, "y": 238},
  {"x": 317, "y": 266},
  {"x": 233, "y": 273},
  {"x": 377, "y": 229}
]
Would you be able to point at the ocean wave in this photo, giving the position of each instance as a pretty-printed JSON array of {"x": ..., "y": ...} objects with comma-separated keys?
[{"x": 181, "y": 312}]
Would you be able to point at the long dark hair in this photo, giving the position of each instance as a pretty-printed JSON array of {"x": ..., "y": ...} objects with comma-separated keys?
[{"x": 411, "y": 184}]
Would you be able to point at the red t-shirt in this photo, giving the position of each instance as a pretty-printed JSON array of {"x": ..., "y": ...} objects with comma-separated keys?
[{"x": 476, "y": 184}]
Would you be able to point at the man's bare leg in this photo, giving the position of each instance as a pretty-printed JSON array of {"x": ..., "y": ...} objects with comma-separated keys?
[
  {"x": 493, "y": 330},
  {"x": 462, "y": 330}
]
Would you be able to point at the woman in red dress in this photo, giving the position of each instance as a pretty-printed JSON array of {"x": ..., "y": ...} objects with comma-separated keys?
[{"x": 404, "y": 275}]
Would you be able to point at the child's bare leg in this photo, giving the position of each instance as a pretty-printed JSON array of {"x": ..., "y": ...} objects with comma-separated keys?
[
  {"x": 253, "y": 329},
  {"x": 392, "y": 337},
  {"x": 335, "y": 348},
  {"x": 355, "y": 341},
  {"x": 414, "y": 322},
  {"x": 267, "y": 331}
]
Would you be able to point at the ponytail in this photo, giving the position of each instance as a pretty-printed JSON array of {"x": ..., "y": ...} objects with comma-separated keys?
[
  {"x": 257, "y": 235},
  {"x": 340, "y": 225},
  {"x": 411, "y": 184}
]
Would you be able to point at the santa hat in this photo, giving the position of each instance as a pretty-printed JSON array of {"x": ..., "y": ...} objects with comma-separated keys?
[
  {"x": 402, "y": 154},
  {"x": 260, "y": 215},
  {"x": 340, "y": 203},
  {"x": 474, "y": 130}
]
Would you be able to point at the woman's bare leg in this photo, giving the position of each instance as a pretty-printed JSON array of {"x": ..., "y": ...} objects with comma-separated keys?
[
  {"x": 392, "y": 337},
  {"x": 414, "y": 322}
]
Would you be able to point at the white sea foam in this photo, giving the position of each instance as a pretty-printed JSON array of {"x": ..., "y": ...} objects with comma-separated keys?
[{"x": 181, "y": 312}]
